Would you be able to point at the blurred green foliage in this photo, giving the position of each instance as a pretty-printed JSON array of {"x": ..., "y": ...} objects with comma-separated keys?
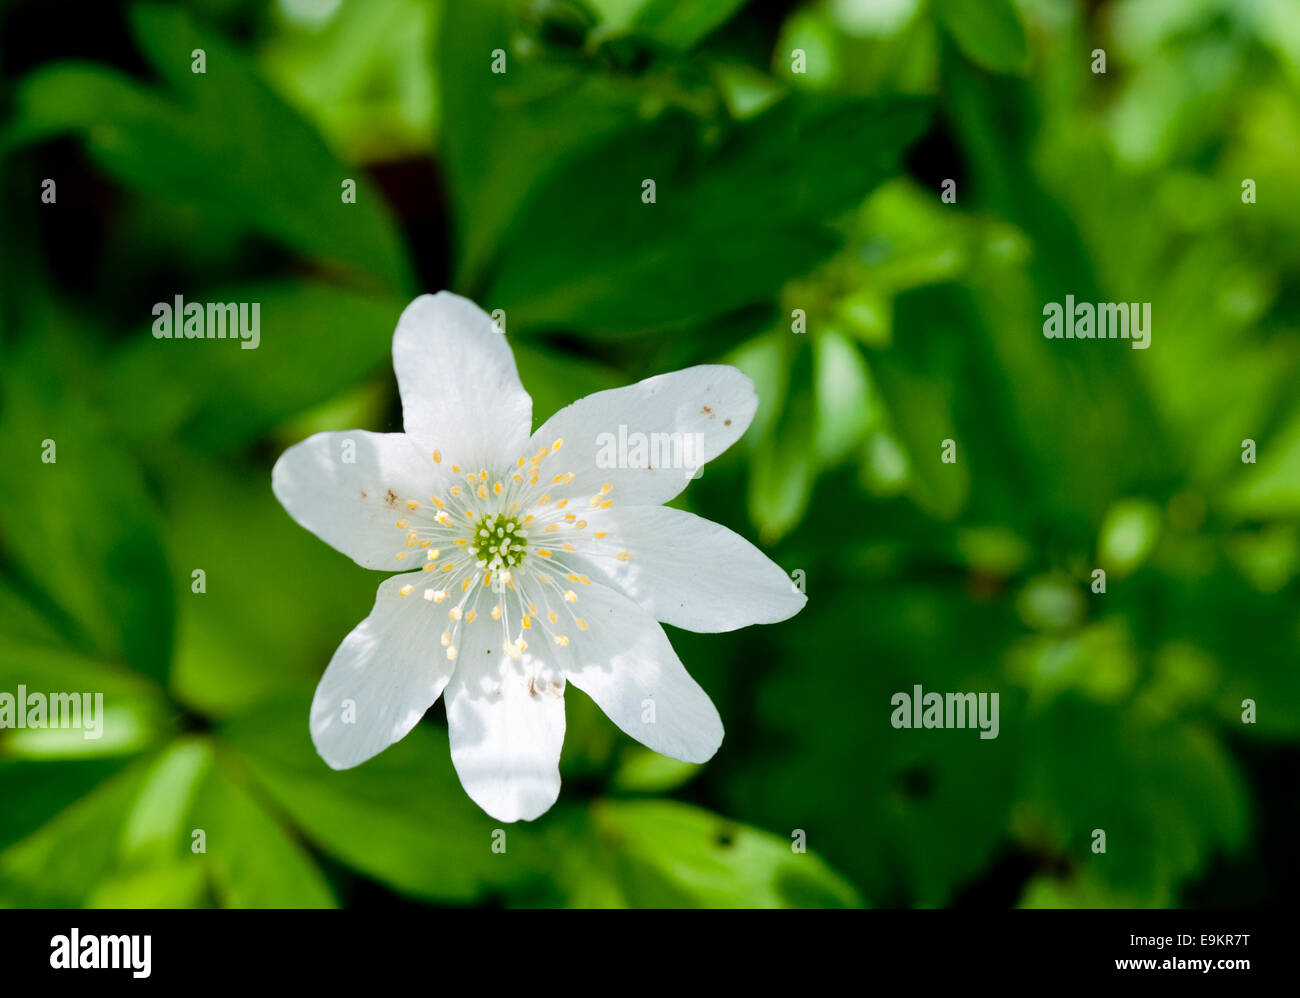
[{"x": 780, "y": 193}]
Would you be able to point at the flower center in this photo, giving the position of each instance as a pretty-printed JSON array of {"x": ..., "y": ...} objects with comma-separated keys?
[{"x": 498, "y": 542}]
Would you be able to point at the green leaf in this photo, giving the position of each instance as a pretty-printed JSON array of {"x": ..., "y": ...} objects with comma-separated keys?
[
  {"x": 893, "y": 834},
  {"x": 315, "y": 340},
  {"x": 125, "y": 712},
  {"x": 401, "y": 818},
  {"x": 1187, "y": 796},
  {"x": 505, "y": 132},
  {"x": 45, "y": 788},
  {"x": 254, "y": 861},
  {"x": 683, "y": 24},
  {"x": 277, "y": 599},
  {"x": 665, "y": 854},
  {"x": 782, "y": 471},
  {"x": 643, "y": 771},
  {"x": 847, "y": 407},
  {"x": 80, "y": 531},
  {"x": 989, "y": 32},
  {"x": 155, "y": 827},
  {"x": 60, "y": 864},
  {"x": 176, "y": 884},
  {"x": 750, "y": 215},
  {"x": 1271, "y": 488},
  {"x": 225, "y": 143}
]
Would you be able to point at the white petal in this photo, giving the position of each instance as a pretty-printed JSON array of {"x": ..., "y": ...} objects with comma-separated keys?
[
  {"x": 681, "y": 420},
  {"x": 624, "y": 662},
  {"x": 687, "y": 571},
  {"x": 382, "y": 679},
  {"x": 506, "y": 722},
  {"x": 460, "y": 390},
  {"x": 350, "y": 488}
]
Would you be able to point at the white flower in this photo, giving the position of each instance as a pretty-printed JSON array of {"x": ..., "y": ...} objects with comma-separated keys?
[{"x": 526, "y": 564}]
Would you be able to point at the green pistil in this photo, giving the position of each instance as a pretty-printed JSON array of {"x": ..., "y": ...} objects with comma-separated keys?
[{"x": 498, "y": 542}]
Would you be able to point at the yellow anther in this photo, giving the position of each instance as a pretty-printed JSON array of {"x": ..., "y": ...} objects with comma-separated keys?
[
  {"x": 599, "y": 535},
  {"x": 607, "y": 503},
  {"x": 543, "y": 552},
  {"x": 558, "y": 444},
  {"x": 496, "y": 612},
  {"x": 551, "y": 528},
  {"x": 454, "y": 613},
  {"x": 460, "y": 542},
  {"x": 561, "y": 640},
  {"x": 580, "y": 524},
  {"x": 425, "y": 543},
  {"x": 401, "y": 555},
  {"x": 528, "y": 620},
  {"x": 406, "y": 590},
  {"x": 446, "y": 638},
  {"x": 437, "y": 502},
  {"x": 562, "y": 503},
  {"x": 552, "y": 617},
  {"x": 455, "y": 491},
  {"x": 546, "y": 497},
  {"x": 439, "y": 595},
  {"x": 451, "y": 651},
  {"x": 437, "y": 457},
  {"x": 403, "y": 524},
  {"x": 430, "y": 594},
  {"x": 497, "y": 488},
  {"x": 482, "y": 491},
  {"x": 447, "y": 567},
  {"x": 623, "y": 556},
  {"x": 487, "y": 580},
  {"x": 571, "y": 596},
  {"x": 573, "y": 577},
  {"x": 469, "y": 616},
  {"x": 455, "y": 468},
  {"x": 412, "y": 504},
  {"x": 568, "y": 547},
  {"x": 433, "y": 554}
]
